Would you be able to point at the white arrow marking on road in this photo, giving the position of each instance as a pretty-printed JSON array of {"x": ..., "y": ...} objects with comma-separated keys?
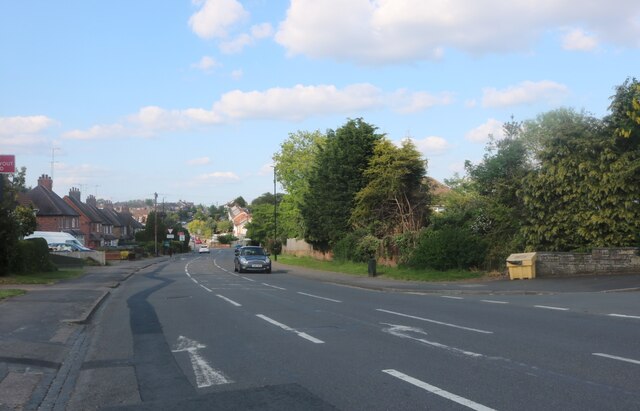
[
  {"x": 404, "y": 331},
  {"x": 206, "y": 376}
]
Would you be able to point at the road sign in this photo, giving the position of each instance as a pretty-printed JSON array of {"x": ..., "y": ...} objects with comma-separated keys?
[
  {"x": 170, "y": 230},
  {"x": 170, "y": 236},
  {"x": 7, "y": 164}
]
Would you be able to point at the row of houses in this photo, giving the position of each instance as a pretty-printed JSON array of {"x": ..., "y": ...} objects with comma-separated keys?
[{"x": 93, "y": 226}]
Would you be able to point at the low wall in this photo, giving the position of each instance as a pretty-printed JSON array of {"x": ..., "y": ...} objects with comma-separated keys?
[
  {"x": 601, "y": 261},
  {"x": 99, "y": 256},
  {"x": 300, "y": 248}
]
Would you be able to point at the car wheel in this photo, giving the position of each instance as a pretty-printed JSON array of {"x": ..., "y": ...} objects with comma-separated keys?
[{"x": 268, "y": 271}]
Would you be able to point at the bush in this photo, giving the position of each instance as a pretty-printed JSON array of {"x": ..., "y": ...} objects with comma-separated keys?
[
  {"x": 227, "y": 238},
  {"x": 357, "y": 246},
  {"x": 448, "y": 248},
  {"x": 32, "y": 256}
]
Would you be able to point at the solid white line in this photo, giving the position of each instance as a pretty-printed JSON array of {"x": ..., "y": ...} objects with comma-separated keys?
[
  {"x": 208, "y": 289},
  {"x": 249, "y": 279},
  {"x": 613, "y": 357},
  {"x": 494, "y": 302},
  {"x": 321, "y": 298},
  {"x": 624, "y": 316},
  {"x": 452, "y": 297},
  {"x": 546, "y": 307},
  {"x": 229, "y": 300},
  {"x": 435, "y": 322},
  {"x": 273, "y": 286},
  {"x": 287, "y": 328},
  {"x": 438, "y": 391}
]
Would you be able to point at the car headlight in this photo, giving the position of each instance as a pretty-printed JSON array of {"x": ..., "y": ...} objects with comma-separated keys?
[
  {"x": 267, "y": 260},
  {"x": 243, "y": 260}
]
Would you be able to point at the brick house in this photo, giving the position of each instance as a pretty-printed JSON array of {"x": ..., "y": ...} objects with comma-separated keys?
[
  {"x": 52, "y": 212},
  {"x": 91, "y": 221}
]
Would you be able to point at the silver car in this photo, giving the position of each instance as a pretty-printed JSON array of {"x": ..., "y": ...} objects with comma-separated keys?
[{"x": 252, "y": 258}]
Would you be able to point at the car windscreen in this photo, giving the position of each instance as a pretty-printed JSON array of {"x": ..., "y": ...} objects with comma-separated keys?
[{"x": 253, "y": 251}]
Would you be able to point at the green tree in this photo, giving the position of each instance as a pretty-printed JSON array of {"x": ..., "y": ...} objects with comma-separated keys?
[
  {"x": 395, "y": 198},
  {"x": 240, "y": 202},
  {"x": 336, "y": 177},
  {"x": 624, "y": 117},
  {"x": 15, "y": 221},
  {"x": 585, "y": 191},
  {"x": 294, "y": 165}
]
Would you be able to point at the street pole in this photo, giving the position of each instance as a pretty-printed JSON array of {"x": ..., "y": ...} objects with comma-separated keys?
[
  {"x": 155, "y": 228},
  {"x": 275, "y": 216}
]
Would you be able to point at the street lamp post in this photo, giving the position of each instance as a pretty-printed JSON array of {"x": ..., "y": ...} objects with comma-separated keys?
[{"x": 275, "y": 216}]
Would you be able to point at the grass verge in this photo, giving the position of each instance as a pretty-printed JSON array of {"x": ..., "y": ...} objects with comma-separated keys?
[
  {"x": 41, "y": 278},
  {"x": 397, "y": 273},
  {"x": 10, "y": 293}
]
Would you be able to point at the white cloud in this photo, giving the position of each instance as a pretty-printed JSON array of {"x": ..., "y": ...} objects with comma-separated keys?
[
  {"x": 481, "y": 133},
  {"x": 298, "y": 102},
  {"x": 404, "y": 101},
  {"x": 388, "y": 31},
  {"x": 206, "y": 64},
  {"x": 527, "y": 92},
  {"x": 243, "y": 40},
  {"x": 199, "y": 161},
  {"x": 20, "y": 125},
  {"x": 216, "y": 17},
  {"x": 218, "y": 176},
  {"x": 431, "y": 146},
  {"x": 578, "y": 40}
]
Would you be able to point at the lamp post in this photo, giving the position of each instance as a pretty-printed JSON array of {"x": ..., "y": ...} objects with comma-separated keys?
[{"x": 275, "y": 216}]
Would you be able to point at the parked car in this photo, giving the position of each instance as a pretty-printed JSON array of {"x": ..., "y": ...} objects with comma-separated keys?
[
  {"x": 252, "y": 258},
  {"x": 67, "y": 247},
  {"x": 203, "y": 250}
]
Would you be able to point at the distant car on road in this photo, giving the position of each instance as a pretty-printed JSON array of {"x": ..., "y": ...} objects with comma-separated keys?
[
  {"x": 252, "y": 258},
  {"x": 203, "y": 250}
]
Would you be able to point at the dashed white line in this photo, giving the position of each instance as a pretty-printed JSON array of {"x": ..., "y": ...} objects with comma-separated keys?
[
  {"x": 249, "y": 279},
  {"x": 615, "y": 357},
  {"x": 625, "y": 316},
  {"x": 230, "y": 301},
  {"x": 321, "y": 298},
  {"x": 494, "y": 302},
  {"x": 547, "y": 307},
  {"x": 287, "y": 328},
  {"x": 452, "y": 297},
  {"x": 273, "y": 286},
  {"x": 435, "y": 322},
  {"x": 438, "y": 391}
]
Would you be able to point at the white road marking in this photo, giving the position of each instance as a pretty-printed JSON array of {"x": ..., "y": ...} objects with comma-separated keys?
[
  {"x": 208, "y": 289},
  {"x": 230, "y": 301},
  {"x": 273, "y": 286},
  {"x": 624, "y": 316},
  {"x": 614, "y": 357},
  {"x": 452, "y": 297},
  {"x": 321, "y": 298},
  {"x": 249, "y": 279},
  {"x": 206, "y": 376},
  {"x": 403, "y": 331},
  {"x": 494, "y": 302},
  {"x": 287, "y": 328},
  {"x": 438, "y": 391},
  {"x": 435, "y": 322},
  {"x": 546, "y": 307}
]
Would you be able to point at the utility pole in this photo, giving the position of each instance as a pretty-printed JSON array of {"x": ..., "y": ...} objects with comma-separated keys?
[{"x": 155, "y": 228}]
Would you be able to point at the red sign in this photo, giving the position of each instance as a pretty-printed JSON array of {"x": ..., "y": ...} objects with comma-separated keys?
[{"x": 7, "y": 164}]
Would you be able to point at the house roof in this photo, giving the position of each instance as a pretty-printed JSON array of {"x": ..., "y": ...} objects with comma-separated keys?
[
  {"x": 88, "y": 211},
  {"x": 49, "y": 203}
]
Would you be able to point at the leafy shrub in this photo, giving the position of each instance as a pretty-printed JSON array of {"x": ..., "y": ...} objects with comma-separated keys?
[
  {"x": 32, "y": 256},
  {"x": 448, "y": 248},
  {"x": 357, "y": 246},
  {"x": 227, "y": 238}
]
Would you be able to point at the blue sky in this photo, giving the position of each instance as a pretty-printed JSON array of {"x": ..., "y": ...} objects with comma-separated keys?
[{"x": 191, "y": 99}]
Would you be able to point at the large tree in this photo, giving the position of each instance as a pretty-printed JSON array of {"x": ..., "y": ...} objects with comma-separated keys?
[
  {"x": 584, "y": 192},
  {"x": 336, "y": 177},
  {"x": 395, "y": 198},
  {"x": 293, "y": 166}
]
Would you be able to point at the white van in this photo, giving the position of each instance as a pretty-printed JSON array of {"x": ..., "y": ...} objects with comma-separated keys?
[{"x": 58, "y": 237}]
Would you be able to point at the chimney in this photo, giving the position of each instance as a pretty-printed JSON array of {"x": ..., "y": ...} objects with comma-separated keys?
[
  {"x": 46, "y": 182},
  {"x": 108, "y": 205},
  {"x": 75, "y": 193},
  {"x": 91, "y": 200}
]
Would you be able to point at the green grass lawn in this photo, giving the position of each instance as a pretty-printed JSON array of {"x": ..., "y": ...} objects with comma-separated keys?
[
  {"x": 10, "y": 293},
  {"x": 398, "y": 273},
  {"x": 41, "y": 278}
]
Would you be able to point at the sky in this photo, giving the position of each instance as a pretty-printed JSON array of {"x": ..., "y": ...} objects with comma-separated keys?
[{"x": 190, "y": 99}]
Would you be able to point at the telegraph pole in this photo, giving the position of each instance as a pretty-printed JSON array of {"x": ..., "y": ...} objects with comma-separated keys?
[
  {"x": 155, "y": 228},
  {"x": 275, "y": 216}
]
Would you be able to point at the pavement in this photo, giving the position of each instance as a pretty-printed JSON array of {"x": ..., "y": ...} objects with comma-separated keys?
[{"x": 42, "y": 332}]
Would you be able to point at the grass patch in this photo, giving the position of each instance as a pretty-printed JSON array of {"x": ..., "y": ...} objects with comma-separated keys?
[
  {"x": 397, "y": 273},
  {"x": 10, "y": 293},
  {"x": 41, "y": 278}
]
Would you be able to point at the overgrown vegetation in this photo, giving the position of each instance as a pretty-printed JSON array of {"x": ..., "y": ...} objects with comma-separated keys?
[{"x": 560, "y": 182}]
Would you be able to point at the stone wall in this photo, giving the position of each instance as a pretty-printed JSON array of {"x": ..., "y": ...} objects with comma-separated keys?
[{"x": 601, "y": 261}]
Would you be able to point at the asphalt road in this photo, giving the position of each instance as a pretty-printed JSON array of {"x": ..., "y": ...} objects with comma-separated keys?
[{"x": 192, "y": 334}]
